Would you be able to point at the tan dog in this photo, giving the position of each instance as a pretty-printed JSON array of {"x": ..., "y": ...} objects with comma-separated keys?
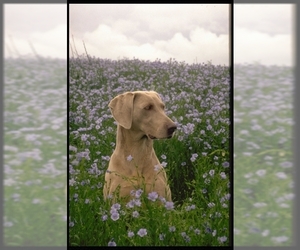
[{"x": 141, "y": 118}]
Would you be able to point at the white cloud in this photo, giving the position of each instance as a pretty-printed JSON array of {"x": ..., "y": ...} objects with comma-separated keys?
[
  {"x": 42, "y": 25},
  {"x": 149, "y": 32},
  {"x": 263, "y": 33},
  {"x": 251, "y": 46},
  {"x": 201, "y": 45}
]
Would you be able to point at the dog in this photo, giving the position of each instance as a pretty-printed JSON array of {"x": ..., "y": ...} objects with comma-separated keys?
[{"x": 140, "y": 118}]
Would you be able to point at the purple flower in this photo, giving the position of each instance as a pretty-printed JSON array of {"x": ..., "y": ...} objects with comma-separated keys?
[
  {"x": 157, "y": 167},
  {"x": 135, "y": 214},
  {"x": 138, "y": 193},
  {"x": 162, "y": 236},
  {"x": 169, "y": 205},
  {"x": 172, "y": 229},
  {"x": 194, "y": 157},
  {"x": 225, "y": 164},
  {"x": 129, "y": 158},
  {"x": 130, "y": 204},
  {"x": 116, "y": 206},
  {"x": 142, "y": 232},
  {"x": 223, "y": 175},
  {"x": 137, "y": 202},
  {"x": 164, "y": 164},
  {"x": 153, "y": 196},
  {"x": 130, "y": 234},
  {"x": 112, "y": 243},
  {"x": 104, "y": 217},
  {"x": 115, "y": 216}
]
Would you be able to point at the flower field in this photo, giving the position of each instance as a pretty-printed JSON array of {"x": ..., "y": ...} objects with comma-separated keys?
[
  {"x": 196, "y": 159},
  {"x": 35, "y": 152},
  {"x": 263, "y": 168}
]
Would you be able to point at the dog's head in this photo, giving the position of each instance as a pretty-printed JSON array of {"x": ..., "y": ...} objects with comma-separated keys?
[{"x": 143, "y": 112}]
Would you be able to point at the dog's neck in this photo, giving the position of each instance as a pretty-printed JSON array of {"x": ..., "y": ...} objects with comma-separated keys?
[{"x": 136, "y": 144}]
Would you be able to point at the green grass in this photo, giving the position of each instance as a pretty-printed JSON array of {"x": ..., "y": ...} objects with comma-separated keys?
[{"x": 195, "y": 95}]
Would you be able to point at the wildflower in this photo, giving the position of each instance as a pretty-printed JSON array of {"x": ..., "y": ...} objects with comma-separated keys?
[
  {"x": 135, "y": 214},
  {"x": 162, "y": 236},
  {"x": 164, "y": 164},
  {"x": 211, "y": 204},
  {"x": 116, "y": 206},
  {"x": 193, "y": 158},
  {"x": 137, "y": 202},
  {"x": 36, "y": 201},
  {"x": 265, "y": 233},
  {"x": 286, "y": 164},
  {"x": 72, "y": 182},
  {"x": 172, "y": 229},
  {"x": 130, "y": 204},
  {"x": 115, "y": 216},
  {"x": 142, "y": 232},
  {"x": 197, "y": 231},
  {"x": 71, "y": 224},
  {"x": 87, "y": 201},
  {"x": 113, "y": 210},
  {"x": 112, "y": 243},
  {"x": 280, "y": 239},
  {"x": 187, "y": 238},
  {"x": 129, "y": 158},
  {"x": 261, "y": 172},
  {"x": 153, "y": 196},
  {"x": 281, "y": 175},
  {"x": 212, "y": 172},
  {"x": 223, "y": 175},
  {"x": 222, "y": 239},
  {"x": 162, "y": 199},
  {"x": 130, "y": 234},
  {"x": 214, "y": 233},
  {"x": 225, "y": 164},
  {"x": 183, "y": 234},
  {"x": 138, "y": 193},
  {"x": 183, "y": 163},
  {"x": 157, "y": 167},
  {"x": 169, "y": 205},
  {"x": 163, "y": 157}
]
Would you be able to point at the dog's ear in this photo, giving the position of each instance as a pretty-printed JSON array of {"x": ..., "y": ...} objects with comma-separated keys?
[{"x": 121, "y": 108}]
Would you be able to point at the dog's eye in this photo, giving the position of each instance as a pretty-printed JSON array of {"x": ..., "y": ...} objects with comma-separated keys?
[{"x": 149, "y": 107}]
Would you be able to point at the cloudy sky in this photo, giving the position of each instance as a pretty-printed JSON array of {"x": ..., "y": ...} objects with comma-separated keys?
[
  {"x": 42, "y": 25},
  {"x": 190, "y": 33},
  {"x": 264, "y": 33}
]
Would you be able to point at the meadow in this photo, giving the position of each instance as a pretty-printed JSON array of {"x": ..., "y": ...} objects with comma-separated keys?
[
  {"x": 196, "y": 159},
  {"x": 263, "y": 159},
  {"x": 35, "y": 152}
]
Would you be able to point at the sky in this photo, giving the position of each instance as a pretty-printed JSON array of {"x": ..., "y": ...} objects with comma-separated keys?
[
  {"x": 264, "y": 33},
  {"x": 44, "y": 26},
  {"x": 191, "y": 33}
]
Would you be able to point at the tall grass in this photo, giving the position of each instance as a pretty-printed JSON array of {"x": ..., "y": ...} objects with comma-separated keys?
[{"x": 196, "y": 159}]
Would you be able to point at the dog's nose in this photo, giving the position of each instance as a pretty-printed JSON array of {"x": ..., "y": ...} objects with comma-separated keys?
[{"x": 171, "y": 130}]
